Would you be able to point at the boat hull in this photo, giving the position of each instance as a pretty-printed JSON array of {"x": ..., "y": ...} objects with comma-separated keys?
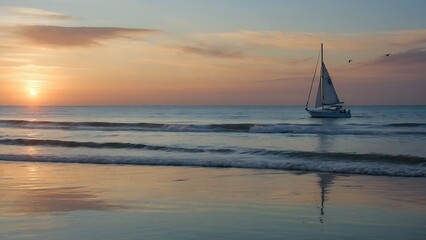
[{"x": 328, "y": 113}]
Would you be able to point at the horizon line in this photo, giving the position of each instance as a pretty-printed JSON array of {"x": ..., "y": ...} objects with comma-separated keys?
[{"x": 355, "y": 105}]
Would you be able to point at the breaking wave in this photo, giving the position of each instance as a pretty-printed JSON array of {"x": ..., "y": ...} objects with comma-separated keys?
[
  {"x": 341, "y": 156},
  {"x": 116, "y": 126},
  {"x": 226, "y": 127},
  {"x": 316, "y": 165},
  {"x": 109, "y": 145},
  {"x": 406, "y": 125}
]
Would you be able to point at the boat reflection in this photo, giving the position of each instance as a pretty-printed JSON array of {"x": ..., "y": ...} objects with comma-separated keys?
[{"x": 325, "y": 182}]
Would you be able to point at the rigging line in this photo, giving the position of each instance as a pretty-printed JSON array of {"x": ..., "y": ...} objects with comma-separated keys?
[{"x": 313, "y": 78}]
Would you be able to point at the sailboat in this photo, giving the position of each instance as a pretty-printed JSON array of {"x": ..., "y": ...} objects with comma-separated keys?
[{"x": 327, "y": 104}]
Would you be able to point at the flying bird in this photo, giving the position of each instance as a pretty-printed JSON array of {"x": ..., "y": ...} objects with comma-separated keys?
[
  {"x": 387, "y": 54},
  {"x": 349, "y": 61}
]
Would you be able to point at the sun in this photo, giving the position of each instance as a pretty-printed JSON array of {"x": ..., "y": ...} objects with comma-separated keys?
[{"x": 32, "y": 92}]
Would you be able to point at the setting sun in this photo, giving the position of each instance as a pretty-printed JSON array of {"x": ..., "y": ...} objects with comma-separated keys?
[{"x": 33, "y": 92}]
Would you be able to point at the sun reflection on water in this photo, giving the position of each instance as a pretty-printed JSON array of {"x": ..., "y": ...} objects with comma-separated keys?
[{"x": 31, "y": 150}]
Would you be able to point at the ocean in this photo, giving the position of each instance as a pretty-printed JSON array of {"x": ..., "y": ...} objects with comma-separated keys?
[
  {"x": 211, "y": 173},
  {"x": 377, "y": 140}
]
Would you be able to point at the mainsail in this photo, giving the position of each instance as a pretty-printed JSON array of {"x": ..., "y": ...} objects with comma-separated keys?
[
  {"x": 329, "y": 95},
  {"x": 318, "y": 102},
  {"x": 326, "y": 94}
]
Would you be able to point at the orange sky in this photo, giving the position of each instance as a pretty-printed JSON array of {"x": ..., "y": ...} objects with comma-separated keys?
[{"x": 48, "y": 58}]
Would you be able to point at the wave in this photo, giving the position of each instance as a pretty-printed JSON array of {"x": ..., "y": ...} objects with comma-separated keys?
[
  {"x": 341, "y": 156},
  {"x": 117, "y": 126},
  {"x": 108, "y": 145},
  {"x": 355, "y": 157},
  {"x": 226, "y": 127},
  {"x": 396, "y": 125},
  {"x": 406, "y": 125},
  {"x": 250, "y": 163}
]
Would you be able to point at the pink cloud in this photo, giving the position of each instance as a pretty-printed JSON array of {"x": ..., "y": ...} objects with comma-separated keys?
[
  {"x": 76, "y": 36},
  {"x": 220, "y": 52},
  {"x": 408, "y": 62}
]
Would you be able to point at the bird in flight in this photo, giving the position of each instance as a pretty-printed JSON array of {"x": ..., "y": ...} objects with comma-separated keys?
[
  {"x": 387, "y": 54},
  {"x": 349, "y": 61}
]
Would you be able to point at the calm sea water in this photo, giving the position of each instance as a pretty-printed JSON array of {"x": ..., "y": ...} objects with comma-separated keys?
[{"x": 375, "y": 141}]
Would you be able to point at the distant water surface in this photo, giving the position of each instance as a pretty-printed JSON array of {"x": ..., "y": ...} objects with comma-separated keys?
[{"x": 380, "y": 140}]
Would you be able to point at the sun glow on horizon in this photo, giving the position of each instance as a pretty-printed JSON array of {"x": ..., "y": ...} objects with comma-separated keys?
[
  {"x": 33, "y": 92},
  {"x": 78, "y": 58},
  {"x": 32, "y": 87}
]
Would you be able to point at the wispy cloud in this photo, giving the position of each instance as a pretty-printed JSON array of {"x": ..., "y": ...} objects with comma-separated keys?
[
  {"x": 220, "y": 52},
  {"x": 413, "y": 56},
  {"x": 408, "y": 37},
  {"x": 337, "y": 41},
  {"x": 75, "y": 36},
  {"x": 397, "y": 62},
  {"x": 12, "y": 16},
  {"x": 301, "y": 60},
  {"x": 298, "y": 78},
  {"x": 35, "y": 12}
]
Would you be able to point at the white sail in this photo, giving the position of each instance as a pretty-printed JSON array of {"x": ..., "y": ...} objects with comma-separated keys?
[
  {"x": 327, "y": 103},
  {"x": 329, "y": 93},
  {"x": 318, "y": 102}
]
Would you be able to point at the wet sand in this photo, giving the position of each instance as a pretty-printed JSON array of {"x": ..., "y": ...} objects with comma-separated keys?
[{"x": 85, "y": 201}]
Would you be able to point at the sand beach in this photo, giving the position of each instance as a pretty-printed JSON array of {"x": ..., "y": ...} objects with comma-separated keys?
[{"x": 88, "y": 201}]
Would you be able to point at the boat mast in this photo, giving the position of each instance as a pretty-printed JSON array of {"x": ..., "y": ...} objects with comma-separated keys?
[
  {"x": 312, "y": 83},
  {"x": 322, "y": 77}
]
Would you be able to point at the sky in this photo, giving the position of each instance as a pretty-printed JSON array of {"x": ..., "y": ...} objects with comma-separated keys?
[{"x": 209, "y": 53}]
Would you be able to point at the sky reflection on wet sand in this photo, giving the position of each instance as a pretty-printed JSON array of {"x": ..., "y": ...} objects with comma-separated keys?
[{"x": 62, "y": 201}]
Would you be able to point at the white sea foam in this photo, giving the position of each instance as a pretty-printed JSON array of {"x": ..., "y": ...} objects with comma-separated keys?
[
  {"x": 388, "y": 143},
  {"x": 226, "y": 127},
  {"x": 346, "y": 167}
]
